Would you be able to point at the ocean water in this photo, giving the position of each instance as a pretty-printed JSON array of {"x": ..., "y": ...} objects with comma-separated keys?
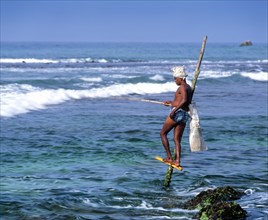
[{"x": 76, "y": 142}]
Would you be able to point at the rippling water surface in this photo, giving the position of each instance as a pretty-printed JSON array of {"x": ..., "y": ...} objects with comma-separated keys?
[{"x": 75, "y": 145}]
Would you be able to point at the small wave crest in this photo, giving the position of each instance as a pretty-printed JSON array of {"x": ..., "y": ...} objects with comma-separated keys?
[
  {"x": 92, "y": 79},
  {"x": 117, "y": 60},
  {"x": 18, "y": 99},
  {"x": 157, "y": 78}
]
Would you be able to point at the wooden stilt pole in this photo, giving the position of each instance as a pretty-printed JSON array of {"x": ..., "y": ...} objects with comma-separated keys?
[
  {"x": 197, "y": 72},
  {"x": 169, "y": 173},
  {"x": 197, "y": 69}
]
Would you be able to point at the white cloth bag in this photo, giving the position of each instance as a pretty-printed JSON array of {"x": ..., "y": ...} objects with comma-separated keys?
[{"x": 196, "y": 140}]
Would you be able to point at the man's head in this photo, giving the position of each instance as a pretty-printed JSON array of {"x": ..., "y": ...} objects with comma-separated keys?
[{"x": 179, "y": 72}]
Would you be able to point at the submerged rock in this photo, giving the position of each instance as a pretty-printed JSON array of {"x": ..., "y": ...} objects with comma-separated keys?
[{"x": 216, "y": 204}]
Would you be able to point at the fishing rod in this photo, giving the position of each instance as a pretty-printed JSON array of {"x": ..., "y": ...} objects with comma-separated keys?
[{"x": 149, "y": 100}]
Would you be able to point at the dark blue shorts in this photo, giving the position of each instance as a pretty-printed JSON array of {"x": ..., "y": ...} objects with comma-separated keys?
[{"x": 180, "y": 116}]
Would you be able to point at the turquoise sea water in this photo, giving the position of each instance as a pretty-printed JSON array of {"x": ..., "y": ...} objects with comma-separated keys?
[{"x": 75, "y": 145}]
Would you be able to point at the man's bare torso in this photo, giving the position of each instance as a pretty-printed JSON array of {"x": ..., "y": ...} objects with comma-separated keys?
[{"x": 178, "y": 97}]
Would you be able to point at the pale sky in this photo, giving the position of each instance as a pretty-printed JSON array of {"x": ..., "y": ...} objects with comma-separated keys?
[{"x": 134, "y": 21}]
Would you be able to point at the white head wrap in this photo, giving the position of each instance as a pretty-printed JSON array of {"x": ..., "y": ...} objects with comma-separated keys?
[{"x": 178, "y": 72}]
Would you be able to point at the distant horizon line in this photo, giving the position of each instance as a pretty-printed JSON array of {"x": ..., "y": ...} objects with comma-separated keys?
[{"x": 134, "y": 42}]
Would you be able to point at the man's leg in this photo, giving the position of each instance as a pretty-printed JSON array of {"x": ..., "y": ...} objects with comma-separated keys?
[
  {"x": 168, "y": 125},
  {"x": 178, "y": 132}
]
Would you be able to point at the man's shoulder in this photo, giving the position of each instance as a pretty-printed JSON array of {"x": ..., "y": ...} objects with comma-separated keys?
[{"x": 188, "y": 86}]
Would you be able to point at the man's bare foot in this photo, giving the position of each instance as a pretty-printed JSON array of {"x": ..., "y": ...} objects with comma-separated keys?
[
  {"x": 168, "y": 160},
  {"x": 177, "y": 164}
]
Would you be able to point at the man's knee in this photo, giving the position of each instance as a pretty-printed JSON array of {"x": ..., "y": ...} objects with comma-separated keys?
[
  {"x": 162, "y": 133},
  {"x": 176, "y": 141}
]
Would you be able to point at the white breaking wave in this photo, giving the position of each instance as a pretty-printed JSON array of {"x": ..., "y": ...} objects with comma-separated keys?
[
  {"x": 260, "y": 76},
  {"x": 69, "y": 60},
  {"x": 18, "y": 99},
  {"x": 26, "y": 60}
]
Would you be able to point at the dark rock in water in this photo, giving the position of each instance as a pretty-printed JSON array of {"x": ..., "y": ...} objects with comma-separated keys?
[
  {"x": 220, "y": 194},
  {"x": 246, "y": 43},
  {"x": 222, "y": 211},
  {"x": 216, "y": 204}
]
